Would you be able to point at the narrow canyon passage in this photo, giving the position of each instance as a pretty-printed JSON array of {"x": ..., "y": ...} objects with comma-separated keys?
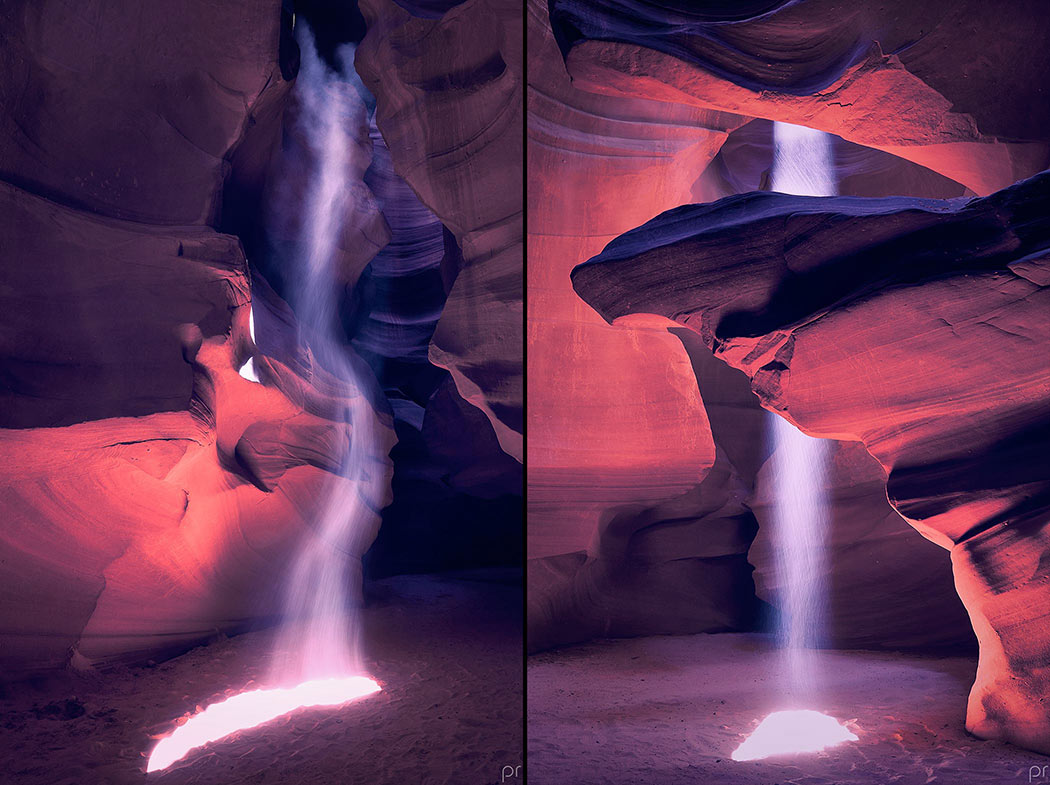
[
  {"x": 260, "y": 367},
  {"x": 463, "y": 392},
  {"x": 790, "y": 263}
]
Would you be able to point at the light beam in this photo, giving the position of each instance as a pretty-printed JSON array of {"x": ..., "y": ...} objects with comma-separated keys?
[{"x": 803, "y": 165}]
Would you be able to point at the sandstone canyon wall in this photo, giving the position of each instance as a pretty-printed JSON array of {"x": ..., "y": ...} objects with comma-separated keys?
[
  {"x": 636, "y": 432},
  {"x": 448, "y": 87},
  {"x": 906, "y": 325},
  {"x": 912, "y": 326},
  {"x": 150, "y": 491},
  {"x": 152, "y": 494},
  {"x": 618, "y": 440},
  {"x": 923, "y": 81}
]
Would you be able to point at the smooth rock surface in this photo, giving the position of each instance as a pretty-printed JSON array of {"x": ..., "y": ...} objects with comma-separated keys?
[
  {"x": 912, "y": 326},
  {"x": 926, "y": 82},
  {"x": 626, "y": 422},
  {"x": 151, "y": 492},
  {"x": 448, "y": 92},
  {"x": 617, "y": 434}
]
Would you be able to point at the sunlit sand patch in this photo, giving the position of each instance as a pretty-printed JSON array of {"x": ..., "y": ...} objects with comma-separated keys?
[
  {"x": 253, "y": 708},
  {"x": 788, "y": 732}
]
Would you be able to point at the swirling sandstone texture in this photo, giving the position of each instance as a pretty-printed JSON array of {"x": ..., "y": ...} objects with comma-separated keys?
[
  {"x": 457, "y": 495},
  {"x": 940, "y": 84},
  {"x": 619, "y": 442},
  {"x": 448, "y": 87},
  {"x": 916, "y": 327},
  {"x": 150, "y": 493},
  {"x": 649, "y": 471}
]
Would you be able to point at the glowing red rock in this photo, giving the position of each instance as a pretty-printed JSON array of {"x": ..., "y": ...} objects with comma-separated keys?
[
  {"x": 872, "y": 353},
  {"x": 935, "y": 100},
  {"x": 250, "y": 709},
  {"x": 150, "y": 494},
  {"x": 598, "y": 164}
]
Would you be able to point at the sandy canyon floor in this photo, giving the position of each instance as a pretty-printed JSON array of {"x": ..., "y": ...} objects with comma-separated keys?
[
  {"x": 447, "y": 649},
  {"x": 669, "y": 710}
]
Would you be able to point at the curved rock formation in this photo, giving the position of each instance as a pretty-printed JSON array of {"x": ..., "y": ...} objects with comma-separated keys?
[
  {"x": 448, "y": 86},
  {"x": 151, "y": 493},
  {"x": 915, "y": 327},
  {"x": 939, "y": 84},
  {"x": 745, "y": 160},
  {"x": 617, "y": 434},
  {"x": 405, "y": 286},
  {"x": 627, "y": 423},
  {"x": 887, "y": 588},
  {"x": 457, "y": 494}
]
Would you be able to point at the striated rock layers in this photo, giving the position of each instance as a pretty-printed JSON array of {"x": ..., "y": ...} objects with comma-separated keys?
[
  {"x": 940, "y": 84},
  {"x": 151, "y": 495},
  {"x": 916, "y": 327},
  {"x": 619, "y": 442},
  {"x": 437, "y": 311},
  {"x": 648, "y": 463},
  {"x": 457, "y": 495},
  {"x": 448, "y": 88}
]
